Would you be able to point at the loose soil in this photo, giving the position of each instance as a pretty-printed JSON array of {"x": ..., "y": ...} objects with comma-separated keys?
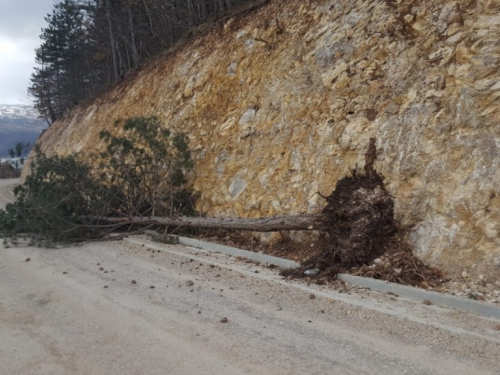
[
  {"x": 397, "y": 260},
  {"x": 397, "y": 265}
]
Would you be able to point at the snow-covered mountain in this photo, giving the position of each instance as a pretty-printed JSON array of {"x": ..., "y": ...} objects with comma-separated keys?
[
  {"x": 18, "y": 123},
  {"x": 18, "y": 111}
]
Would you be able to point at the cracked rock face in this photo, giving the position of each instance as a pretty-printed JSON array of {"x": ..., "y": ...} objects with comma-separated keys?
[{"x": 298, "y": 108}]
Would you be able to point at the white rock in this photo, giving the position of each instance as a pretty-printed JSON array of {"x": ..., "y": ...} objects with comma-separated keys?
[
  {"x": 248, "y": 116},
  {"x": 237, "y": 187}
]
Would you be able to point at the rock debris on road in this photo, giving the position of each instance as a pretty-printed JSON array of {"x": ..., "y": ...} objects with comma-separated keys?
[{"x": 58, "y": 317}]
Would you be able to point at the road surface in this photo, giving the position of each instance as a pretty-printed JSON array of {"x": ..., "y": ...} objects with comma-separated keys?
[
  {"x": 6, "y": 187},
  {"x": 122, "y": 308}
]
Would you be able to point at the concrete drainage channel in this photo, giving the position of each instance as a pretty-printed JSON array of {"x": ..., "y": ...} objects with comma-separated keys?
[{"x": 440, "y": 299}]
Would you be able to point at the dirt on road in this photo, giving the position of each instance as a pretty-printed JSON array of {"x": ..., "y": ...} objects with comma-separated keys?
[{"x": 123, "y": 308}]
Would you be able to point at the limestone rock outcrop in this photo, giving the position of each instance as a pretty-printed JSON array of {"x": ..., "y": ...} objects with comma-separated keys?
[{"x": 281, "y": 103}]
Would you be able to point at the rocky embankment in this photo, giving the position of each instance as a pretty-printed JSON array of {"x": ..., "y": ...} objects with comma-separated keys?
[{"x": 281, "y": 103}]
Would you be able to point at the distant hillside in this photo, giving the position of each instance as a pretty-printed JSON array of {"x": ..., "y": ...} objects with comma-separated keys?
[{"x": 18, "y": 123}]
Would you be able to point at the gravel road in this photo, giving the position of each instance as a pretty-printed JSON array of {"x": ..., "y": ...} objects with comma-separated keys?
[
  {"x": 76, "y": 310},
  {"x": 6, "y": 187},
  {"x": 123, "y": 308}
]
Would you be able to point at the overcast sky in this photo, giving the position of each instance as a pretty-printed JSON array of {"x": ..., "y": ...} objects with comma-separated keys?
[{"x": 21, "y": 22}]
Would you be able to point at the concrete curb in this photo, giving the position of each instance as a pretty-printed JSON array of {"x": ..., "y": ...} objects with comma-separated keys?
[
  {"x": 459, "y": 303},
  {"x": 257, "y": 257}
]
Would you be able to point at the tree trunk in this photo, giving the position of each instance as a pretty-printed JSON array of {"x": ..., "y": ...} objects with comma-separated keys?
[
  {"x": 133, "y": 47},
  {"x": 267, "y": 224},
  {"x": 112, "y": 42}
]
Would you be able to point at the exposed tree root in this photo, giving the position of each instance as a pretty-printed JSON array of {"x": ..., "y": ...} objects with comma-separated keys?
[{"x": 359, "y": 218}]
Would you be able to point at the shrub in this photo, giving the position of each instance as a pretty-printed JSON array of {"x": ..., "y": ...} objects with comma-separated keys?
[
  {"x": 142, "y": 173},
  {"x": 148, "y": 167}
]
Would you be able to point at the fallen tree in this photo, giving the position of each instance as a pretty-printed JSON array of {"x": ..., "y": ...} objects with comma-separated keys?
[
  {"x": 359, "y": 211},
  {"x": 266, "y": 224},
  {"x": 143, "y": 179},
  {"x": 359, "y": 218}
]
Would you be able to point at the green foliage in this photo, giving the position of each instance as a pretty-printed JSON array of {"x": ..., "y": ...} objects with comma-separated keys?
[
  {"x": 66, "y": 72},
  {"x": 148, "y": 166},
  {"x": 20, "y": 150},
  {"x": 142, "y": 173},
  {"x": 53, "y": 201}
]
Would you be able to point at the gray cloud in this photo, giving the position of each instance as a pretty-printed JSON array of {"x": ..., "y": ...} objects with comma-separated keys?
[
  {"x": 21, "y": 22},
  {"x": 23, "y": 18}
]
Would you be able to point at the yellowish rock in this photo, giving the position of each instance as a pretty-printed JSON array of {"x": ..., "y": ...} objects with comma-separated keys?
[{"x": 296, "y": 114}]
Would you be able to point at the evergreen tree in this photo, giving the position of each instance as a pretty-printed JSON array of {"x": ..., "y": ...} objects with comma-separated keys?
[
  {"x": 67, "y": 72},
  {"x": 90, "y": 44}
]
